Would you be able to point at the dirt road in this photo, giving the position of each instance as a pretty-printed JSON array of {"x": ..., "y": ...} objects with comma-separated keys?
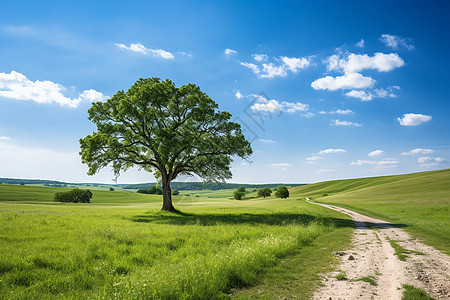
[{"x": 372, "y": 271}]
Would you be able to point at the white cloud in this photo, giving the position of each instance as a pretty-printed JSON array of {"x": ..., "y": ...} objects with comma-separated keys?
[
  {"x": 279, "y": 165},
  {"x": 418, "y": 151},
  {"x": 274, "y": 105},
  {"x": 294, "y": 64},
  {"x": 266, "y": 141},
  {"x": 427, "y": 162},
  {"x": 308, "y": 115},
  {"x": 18, "y": 87},
  {"x": 376, "y": 153},
  {"x": 395, "y": 42},
  {"x": 325, "y": 171},
  {"x": 229, "y": 52},
  {"x": 384, "y": 164},
  {"x": 4, "y": 137},
  {"x": 139, "y": 48},
  {"x": 363, "y": 95},
  {"x": 322, "y": 112},
  {"x": 313, "y": 158},
  {"x": 342, "y": 112},
  {"x": 353, "y": 63},
  {"x": 331, "y": 150},
  {"x": 360, "y": 44},
  {"x": 413, "y": 119},
  {"x": 251, "y": 66},
  {"x": 368, "y": 96},
  {"x": 344, "y": 123},
  {"x": 271, "y": 69},
  {"x": 260, "y": 57},
  {"x": 239, "y": 95},
  {"x": 295, "y": 106},
  {"x": 267, "y": 105},
  {"x": 347, "y": 81}
]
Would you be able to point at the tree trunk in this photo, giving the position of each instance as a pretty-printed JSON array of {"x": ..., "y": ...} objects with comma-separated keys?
[{"x": 167, "y": 195}]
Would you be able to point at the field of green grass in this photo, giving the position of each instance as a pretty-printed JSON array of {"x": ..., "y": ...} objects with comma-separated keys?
[
  {"x": 419, "y": 201},
  {"x": 122, "y": 246}
]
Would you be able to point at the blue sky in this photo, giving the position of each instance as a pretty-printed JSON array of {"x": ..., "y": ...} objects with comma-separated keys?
[{"x": 323, "y": 89}]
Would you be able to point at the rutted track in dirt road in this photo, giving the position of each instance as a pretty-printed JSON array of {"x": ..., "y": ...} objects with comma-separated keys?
[{"x": 372, "y": 259}]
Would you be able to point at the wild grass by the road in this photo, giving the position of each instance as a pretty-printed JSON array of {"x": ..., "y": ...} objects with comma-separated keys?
[
  {"x": 420, "y": 201},
  {"x": 122, "y": 246}
]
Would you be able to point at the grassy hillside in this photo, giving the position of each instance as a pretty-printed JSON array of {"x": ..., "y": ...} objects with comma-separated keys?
[
  {"x": 421, "y": 201},
  {"x": 121, "y": 246}
]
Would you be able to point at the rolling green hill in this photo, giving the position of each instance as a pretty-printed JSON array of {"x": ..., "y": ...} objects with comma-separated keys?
[{"x": 420, "y": 201}]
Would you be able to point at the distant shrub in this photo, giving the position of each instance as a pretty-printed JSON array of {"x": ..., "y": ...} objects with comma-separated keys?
[
  {"x": 152, "y": 190},
  {"x": 324, "y": 195},
  {"x": 242, "y": 189},
  {"x": 264, "y": 192},
  {"x": 175, "y": 192},
  {"x": 111, "y": 189},
  {"x": 74, "y": 196},
  {"x": 238, "y": 195},
  {"x": 282, "y": 192}
]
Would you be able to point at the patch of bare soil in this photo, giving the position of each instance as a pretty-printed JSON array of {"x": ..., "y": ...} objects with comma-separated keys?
[{"x": 371, "y": 270}]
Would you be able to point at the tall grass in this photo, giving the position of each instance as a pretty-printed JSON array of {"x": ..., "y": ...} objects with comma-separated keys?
[{"x": 101, "y": 251}]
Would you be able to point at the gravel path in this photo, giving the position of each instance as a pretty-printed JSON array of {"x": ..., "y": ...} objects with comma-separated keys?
[{"x": 372, "y": 259}]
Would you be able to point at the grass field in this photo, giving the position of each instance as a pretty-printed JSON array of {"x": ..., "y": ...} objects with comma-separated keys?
[
  {"x": 122, "y": 246},
  {"x": 419, "y": 201}
]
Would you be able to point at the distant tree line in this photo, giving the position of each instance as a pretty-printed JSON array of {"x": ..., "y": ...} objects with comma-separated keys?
[{"x": 181, "y": 186}]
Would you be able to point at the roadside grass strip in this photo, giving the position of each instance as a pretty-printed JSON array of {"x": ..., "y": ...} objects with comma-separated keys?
[{"x": 413, "y": 293}]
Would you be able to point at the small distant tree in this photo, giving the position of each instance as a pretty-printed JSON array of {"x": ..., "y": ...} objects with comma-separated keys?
[
  {"x": 175, "y": 192},
  {"x": 238, "y": 195},
  {"x": 75, "y": 196},
  {"x": 264, "y": 192},
  {"x": 111, "y": 189},
  {"x": 242, "y": 189},
  {"x": 282, "y": 192}
]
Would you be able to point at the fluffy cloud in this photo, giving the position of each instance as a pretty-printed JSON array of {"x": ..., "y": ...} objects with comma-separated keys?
[
  {"x": 352, "y": 63},
  {"x": 363, "y": 95},
  {"x": 239, "y": 95},
  {"x": 251, "y": 66},
  {"x": 384, "y": 164},
  {"x": 331, "y": 150},
  {"x": 294, "y": 64},
  {"x": 276, "y": 69},
  {"x": 376, "y": 153},
  {"x": 4, "y": 137},
  {"x": 271, "y": 71},
  {"x": 17, "y": 86},
  {"x": 312, "y": 159},
  {"x": 360, "y": 44},
  {"x": 418, "y": 151},
  {"x": 229, "y": 52},
  {"x": 427, "y": 162},
  {"x": 344, "y": 123},
  {"x": 260, "y": 57},
  {"x": 347, "y": 81},
  {"x": 413, "y": 119},
  {"x": 139, "y": 48},
  {"x": 395, "y": 42},
  {"x": 368, "y": 96},
  {"x": 342, "y": 112},
  {"x": 273, "y": 105}
]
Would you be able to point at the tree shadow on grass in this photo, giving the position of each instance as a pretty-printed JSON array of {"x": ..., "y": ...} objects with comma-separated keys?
[{"x": 279, "y": 219}]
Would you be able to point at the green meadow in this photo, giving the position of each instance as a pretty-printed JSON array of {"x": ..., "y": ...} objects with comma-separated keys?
[
  {"x": 418, "y": 202},
  {"x": 122, "y": 246}
]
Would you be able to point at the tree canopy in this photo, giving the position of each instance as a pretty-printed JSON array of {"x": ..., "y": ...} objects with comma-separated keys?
[
  {"x": 264, "y": 192},
  {"x": 169, "y": 131},
  {"x": 282, "y": 192}
]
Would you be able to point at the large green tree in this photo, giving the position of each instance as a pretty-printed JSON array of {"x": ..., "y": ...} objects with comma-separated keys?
[{"x": 169, "y": 131}]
